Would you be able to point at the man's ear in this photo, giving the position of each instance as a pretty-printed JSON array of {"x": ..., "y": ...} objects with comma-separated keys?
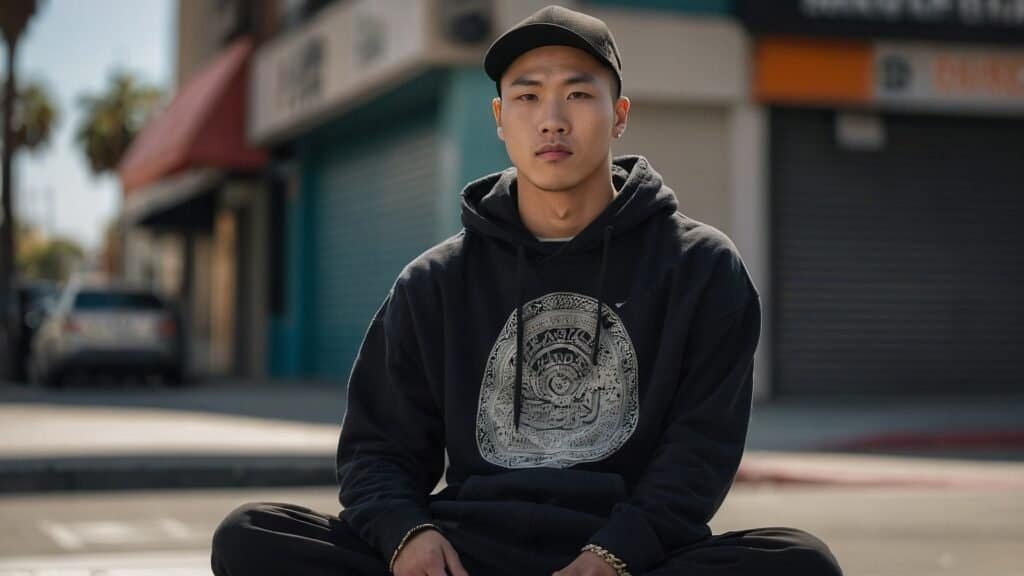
[
  {"x": 496, "y": 110},
  {"x": 621, "y": 116}
]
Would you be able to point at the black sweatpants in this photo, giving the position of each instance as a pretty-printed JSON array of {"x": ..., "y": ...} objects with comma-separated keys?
[{"x": 277, "y": 538}]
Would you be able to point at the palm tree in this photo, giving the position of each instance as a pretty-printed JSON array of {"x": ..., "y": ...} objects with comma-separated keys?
[
  {"x": 112, "y": 119},
  {"x": 14, "y": 20},
  {"x": 34, "y": 117},
  {"x": 47, "y": 258}
]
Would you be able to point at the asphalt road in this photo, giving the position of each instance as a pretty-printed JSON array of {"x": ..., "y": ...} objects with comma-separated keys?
[{"x": 898, "y": 532}]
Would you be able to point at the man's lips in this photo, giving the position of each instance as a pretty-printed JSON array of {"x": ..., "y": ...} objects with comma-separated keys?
[{"x": 553, "y": 152}]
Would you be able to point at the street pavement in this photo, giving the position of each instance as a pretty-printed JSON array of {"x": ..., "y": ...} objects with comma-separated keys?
[
  {"x": 872, "y": 531},
  {"x": 238, "y": 434},
  {"x": 905, "y": 487}
]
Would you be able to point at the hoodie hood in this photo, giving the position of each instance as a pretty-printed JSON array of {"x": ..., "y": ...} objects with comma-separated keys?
[{"x": 490, "y": 208}]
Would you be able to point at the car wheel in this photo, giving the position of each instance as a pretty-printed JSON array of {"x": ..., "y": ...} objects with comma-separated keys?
[
  {"x": 54, "y": 379},
  {"x": 33, "y": 375},
  {"x": 173, "y": 377}
]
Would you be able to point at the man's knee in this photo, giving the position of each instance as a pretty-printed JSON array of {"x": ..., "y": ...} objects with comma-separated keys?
[
  {"x": 231, "y": 539},
  {"x": 813, "y": 556}
]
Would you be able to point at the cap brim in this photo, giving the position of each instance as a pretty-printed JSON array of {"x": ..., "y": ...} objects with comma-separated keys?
[{"x": 515, "y": 43}]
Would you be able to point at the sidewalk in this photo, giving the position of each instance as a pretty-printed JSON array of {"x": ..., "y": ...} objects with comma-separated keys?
[
  {"x": 972, "y": 427},
  {"x": 233, "y": 434}
]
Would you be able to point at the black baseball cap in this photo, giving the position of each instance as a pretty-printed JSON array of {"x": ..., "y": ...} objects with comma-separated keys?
[{"x": 554, "y": 26}]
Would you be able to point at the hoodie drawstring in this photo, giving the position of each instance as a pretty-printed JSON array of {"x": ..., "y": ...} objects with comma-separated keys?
[
  {"x": 517, "y": 390},
  {"x": 600, "y": 293}
]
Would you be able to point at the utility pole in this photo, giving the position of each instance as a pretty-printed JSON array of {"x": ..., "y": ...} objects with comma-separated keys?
[
  {"x": 14, "y": 19},
  {"x": 7, "y": 228}
]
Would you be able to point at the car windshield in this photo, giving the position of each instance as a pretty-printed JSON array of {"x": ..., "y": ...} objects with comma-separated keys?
[
  {"x": 39, "y": 292},
  {"x": 109, "y": 300},
  {"x": 32, "y": 294}
]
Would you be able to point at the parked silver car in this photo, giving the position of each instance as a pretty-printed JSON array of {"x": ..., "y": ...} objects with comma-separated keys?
[{"x": 97, "y": 329}]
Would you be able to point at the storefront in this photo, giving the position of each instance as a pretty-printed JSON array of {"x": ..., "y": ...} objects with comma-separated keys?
[
  {"x": 896, "y": 136},
  {"x": 196, "y": 216}
]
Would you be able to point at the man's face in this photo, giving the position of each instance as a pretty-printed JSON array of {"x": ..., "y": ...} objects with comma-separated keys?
[{"x": 557, "y": 115}]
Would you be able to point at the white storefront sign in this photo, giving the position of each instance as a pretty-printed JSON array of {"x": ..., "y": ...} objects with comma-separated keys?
[
  {"x": 349, "y": 48},
  {"x": 965, "y": 12},
  {"x": 949, "y": 77}
]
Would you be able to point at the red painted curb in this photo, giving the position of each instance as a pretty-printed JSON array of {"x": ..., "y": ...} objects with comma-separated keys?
[
  {"x": 781, "y": 475},
  {"x": 933, "y": 441}
]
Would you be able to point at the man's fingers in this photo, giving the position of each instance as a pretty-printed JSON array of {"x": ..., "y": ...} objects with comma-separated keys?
[
  {"x": 435, "y": 566},
  {"x": 436, "y": 569},
  {"x": 569, "y": 570},
  {"x": 452, "y": 559}
]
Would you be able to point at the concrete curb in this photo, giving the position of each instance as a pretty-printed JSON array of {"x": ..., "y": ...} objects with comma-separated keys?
[
  {"x": 165, "y": 471},
  {"x": 108, "y": 473}
]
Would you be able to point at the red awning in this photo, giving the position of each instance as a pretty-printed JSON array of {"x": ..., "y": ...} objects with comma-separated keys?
[{"x": 203, "y": 127}]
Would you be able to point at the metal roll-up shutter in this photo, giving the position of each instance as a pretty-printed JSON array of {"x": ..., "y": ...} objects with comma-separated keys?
[
  {"x": 376, "y": 207},
  {"x": 898, "y": 270}
]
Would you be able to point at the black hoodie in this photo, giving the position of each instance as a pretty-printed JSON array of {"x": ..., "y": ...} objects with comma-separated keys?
[{"x": 591, "y": 391}]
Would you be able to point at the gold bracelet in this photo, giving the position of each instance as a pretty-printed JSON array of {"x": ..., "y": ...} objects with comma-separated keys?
[
  {"x": 408, "y": 535},
  {"x": 611, "y": 559}
]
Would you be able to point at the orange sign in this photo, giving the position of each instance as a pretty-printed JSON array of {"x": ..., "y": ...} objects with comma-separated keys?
[
  {"x": 913, "y": 75},
  {"x": 804, "y": 70}
]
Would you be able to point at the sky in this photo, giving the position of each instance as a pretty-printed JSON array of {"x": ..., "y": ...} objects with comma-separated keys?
[{"x": 72, "y": 47}]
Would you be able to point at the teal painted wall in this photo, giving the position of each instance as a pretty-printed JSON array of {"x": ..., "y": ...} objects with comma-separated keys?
[
  {"x": 471, "y": 147},
  {"x": 691, "y": 6}
]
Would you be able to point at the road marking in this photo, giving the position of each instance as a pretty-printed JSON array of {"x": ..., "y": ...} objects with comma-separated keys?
[
  {"x": 75, "y": 536},
  {"x": 176, "y": 529},
  {"x": 64, "y": 536}
]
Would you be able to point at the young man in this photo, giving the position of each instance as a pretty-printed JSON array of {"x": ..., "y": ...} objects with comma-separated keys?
[{"x": 582, "y": 351}]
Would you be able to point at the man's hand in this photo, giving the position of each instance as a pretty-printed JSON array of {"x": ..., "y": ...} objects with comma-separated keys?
[
  {"x": 428, "y": 552},
  {"x": 587, "y": 564}
]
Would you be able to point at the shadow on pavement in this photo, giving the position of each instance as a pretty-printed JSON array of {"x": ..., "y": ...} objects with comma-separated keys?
[{"x": 306, "y": 401}]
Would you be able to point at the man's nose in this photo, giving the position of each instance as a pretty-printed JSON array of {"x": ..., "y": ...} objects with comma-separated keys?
[{"x": 554, "y": 121}]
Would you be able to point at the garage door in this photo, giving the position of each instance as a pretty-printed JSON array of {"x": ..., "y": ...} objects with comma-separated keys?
[
  {"x": 376, "y": 209},
  {"x": 898, "y": 271}
]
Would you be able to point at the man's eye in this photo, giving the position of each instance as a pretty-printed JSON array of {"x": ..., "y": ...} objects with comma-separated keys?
[
  {"x": 577, "y": 95},
  {"x": 526, "y": 97}
]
